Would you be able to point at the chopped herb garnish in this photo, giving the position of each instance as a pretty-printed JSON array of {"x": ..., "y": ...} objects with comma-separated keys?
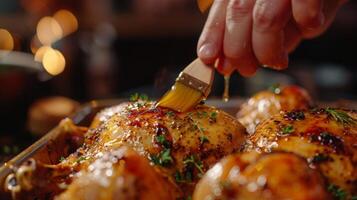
[
  {"x": 213, "y": 116},
  {"x": 203, "y": 139},
  {"x": 163, "y": 158},
  {"x": 340, "y": 116},
  {"x": 137, "y": 96},
  {"x": 192, "y": 160},
  {"x": 161, "y": 139},
  {"x": 178, "y": 177},
  {"x": 275, "y": 88},
  {"x": 80, "y": 159},
  {"x": 202, "y": 114},
  {"x": 337, "y": 192},
  {"x": 170, "y": 113},
  {"x": 61, "y": 159},
  {"x": 287, "y": 129}
]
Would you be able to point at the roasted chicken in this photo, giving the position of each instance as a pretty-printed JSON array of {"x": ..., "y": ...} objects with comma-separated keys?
[
  {"x": 139, "y": 151},
  {"x": 264, "y": 104},
  {"x": 326, "y": 138},
  {"x": 119, "y": 174},
  {"x": 254, "y": 176},
  {"x": 179, "y": 146}
]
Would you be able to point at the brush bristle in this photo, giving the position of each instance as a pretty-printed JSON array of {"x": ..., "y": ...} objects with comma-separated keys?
[{"x": 181, "y": 98}]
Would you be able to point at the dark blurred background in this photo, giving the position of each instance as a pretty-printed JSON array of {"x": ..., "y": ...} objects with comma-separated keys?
[{"x": 114, "y": 48}]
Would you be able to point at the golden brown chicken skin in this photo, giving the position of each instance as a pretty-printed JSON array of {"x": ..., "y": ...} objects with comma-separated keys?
[
  {"x": 327, "y": 138},
  {"x": 118, "y": 174},
  {"x": 254, "y": 176},
  {"x": 181, "y": 146},
  {"x": 264, "y": 104}
]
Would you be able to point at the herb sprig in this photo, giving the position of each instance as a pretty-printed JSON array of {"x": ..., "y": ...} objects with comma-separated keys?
[
  {"x": 340, "y": 116},
  {"x": 163, "y": 158},
  {"x": 193, "y": 160},
  {"x": 136, "y": 97}
]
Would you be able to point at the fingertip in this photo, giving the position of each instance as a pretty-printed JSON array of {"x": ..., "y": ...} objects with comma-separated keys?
[
  {"x": 207, "y": 53},
  {"x": 279, "y": 63},
  {"x": 225, "y": 67},
  {"x": 247, "y": 71}
]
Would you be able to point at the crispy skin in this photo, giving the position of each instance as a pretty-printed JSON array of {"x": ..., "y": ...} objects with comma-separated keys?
[
  {"x": 118, "y": 174},
  {"x": 264, "y": 104},
  {"x": 328, "y": 144},
  {"x": 253, "y": 176},
  {"x": 193, "y": 141}
]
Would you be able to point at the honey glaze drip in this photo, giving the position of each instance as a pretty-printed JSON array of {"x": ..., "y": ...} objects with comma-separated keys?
[{"x": 225, "y": 96}]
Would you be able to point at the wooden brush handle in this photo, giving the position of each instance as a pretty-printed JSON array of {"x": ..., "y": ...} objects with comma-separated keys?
[{"x": 200, "y": 71}]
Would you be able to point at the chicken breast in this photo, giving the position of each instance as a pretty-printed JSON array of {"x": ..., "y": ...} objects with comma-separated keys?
[
  {"x": 254, "y": 176},
  {"x": 326, "y": 138},
  {"x": 264, "y": 104},
  {"x": 119, "y": 174}
]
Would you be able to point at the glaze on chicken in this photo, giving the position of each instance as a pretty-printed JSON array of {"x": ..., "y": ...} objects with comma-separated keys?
[
  {"x": 180, "y": 148},
  {"x": 119, "y": 174},
  {"x": 266, "y": 103},
  {"x": 254, "y": 176},
  {"x": 326, "y": 138}
]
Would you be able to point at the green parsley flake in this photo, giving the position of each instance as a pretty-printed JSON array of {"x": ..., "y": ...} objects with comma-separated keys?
[
  {"x": 340, "y": 116},
  {"x": 337, "y": 192},
  {"x": 163, "y": 158},
  {"x": 213, "y": 116},
  {"x": 61, "y": 159},
  {"x": 170, "y": 113},
  {"x": 195, "y": 162},
  {"x": 161, "y": 139},
  {"x": 80, "y": 159},
  {"x": 203, "y": 139},
  {"x": 288, "y": 129},
  {"x": 137, "y": 97}
]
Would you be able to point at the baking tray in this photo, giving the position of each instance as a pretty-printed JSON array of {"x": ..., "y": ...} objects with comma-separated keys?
[{"x": 84, "y": 116}]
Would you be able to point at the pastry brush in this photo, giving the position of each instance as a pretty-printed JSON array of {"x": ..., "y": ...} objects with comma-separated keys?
[{"x": 192, "y": 85}]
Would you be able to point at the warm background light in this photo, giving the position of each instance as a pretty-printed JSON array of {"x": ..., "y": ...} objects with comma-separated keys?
[
  {"x": 48, "y": 30},
  {"x": 6, "y": 40},
  {"x": 67, "y": 21},
  {"x": 41, "y": 52},
  {"x": 53, "y": 61}
]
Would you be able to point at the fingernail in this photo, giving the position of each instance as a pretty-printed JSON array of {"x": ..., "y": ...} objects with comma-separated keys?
[{"x": 206, "y": 51}]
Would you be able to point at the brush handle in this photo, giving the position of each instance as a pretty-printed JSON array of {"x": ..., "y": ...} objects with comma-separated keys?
[{"x": 200, "y": 71}]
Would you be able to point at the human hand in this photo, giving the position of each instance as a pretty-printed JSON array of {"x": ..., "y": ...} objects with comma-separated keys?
[{"x": 244, "y": 34}]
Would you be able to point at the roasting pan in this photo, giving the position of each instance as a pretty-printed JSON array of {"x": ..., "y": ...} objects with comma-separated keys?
[{"x": 83, "y": 117}]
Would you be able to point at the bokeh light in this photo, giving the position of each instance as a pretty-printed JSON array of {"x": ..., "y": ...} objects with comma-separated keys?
[
  {"x": 67, "y": 21},
  {"x": 48, "y": 30},
  {"x": 53, "y": 61},
  {"x": 41, "y": 52},
  {"x": 6, "y": 40},
  {"x": 35, "y": 44}
]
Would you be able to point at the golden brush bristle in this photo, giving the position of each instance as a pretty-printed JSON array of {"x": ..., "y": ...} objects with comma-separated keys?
[{"x": 181, "y": 98}]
